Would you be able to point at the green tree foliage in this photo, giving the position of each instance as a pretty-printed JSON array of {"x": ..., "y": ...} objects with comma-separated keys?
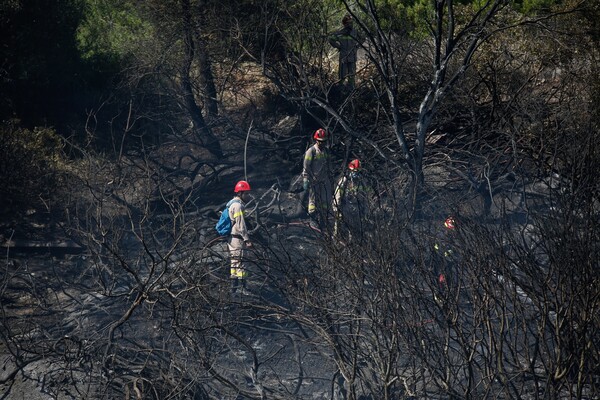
[
  {"x": 110, "y": 29},
  {"x": 534, "y": 6}
]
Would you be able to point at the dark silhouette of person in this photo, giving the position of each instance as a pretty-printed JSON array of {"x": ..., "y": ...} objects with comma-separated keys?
[{"x": 347, "y": 41}]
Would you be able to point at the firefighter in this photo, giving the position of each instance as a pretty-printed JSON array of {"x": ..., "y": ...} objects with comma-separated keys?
[
  {"x": 239, "y": 240},
  {"x": 443, "y": 252},
  {"x": 346, "y": 40},
  {"x": 350, "y": 201},
  {"x": 317, "y": 180}
]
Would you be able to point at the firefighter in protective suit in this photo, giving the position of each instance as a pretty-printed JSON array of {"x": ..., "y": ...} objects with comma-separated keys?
[
  {"x": 351, "y": 201},
  {"x": 347, "y": 41},
  {"x": 316, "y": 179},
  {"x": 444, "y": 255},
  {"x": 239, "y": 240}
]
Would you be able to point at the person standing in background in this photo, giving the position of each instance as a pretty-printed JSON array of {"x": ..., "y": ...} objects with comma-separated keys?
[
  {"x": 351, "y": 202},
  {"x": 239, "y": 240},
  {"x": 346, "y": 40},
  {"x": 316, "y": 177}
]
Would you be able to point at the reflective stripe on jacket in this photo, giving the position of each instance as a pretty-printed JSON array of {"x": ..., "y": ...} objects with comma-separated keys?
[
  {"x": 236, "y": 214},
  {"x": 349, "y": 190},
  {"x": 346, "y": 41},
  {"x": 315, "y": 164}
]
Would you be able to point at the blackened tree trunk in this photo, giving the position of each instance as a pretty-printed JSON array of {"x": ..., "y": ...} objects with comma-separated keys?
[
  {"x": 207, "y": 81},
  {"x": 189, "y": 100}
]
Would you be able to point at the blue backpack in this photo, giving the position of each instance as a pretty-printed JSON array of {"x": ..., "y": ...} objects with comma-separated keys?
[{"x": 224, "y": 225}]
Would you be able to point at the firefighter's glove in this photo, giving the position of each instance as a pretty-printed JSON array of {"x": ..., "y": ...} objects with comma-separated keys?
[{"x": 305, "y": 184}]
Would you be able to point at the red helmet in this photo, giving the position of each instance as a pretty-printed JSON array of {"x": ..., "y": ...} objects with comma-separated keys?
[
  {"x": 450, "y": 223},
  {"x": 354, "y": 164},
  {"x": 320, "y": 135},
  {"x": 241, "y": 186}
]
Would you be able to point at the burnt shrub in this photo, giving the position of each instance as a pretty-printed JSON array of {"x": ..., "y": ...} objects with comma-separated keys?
[{"x": 29, "y": 167}]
